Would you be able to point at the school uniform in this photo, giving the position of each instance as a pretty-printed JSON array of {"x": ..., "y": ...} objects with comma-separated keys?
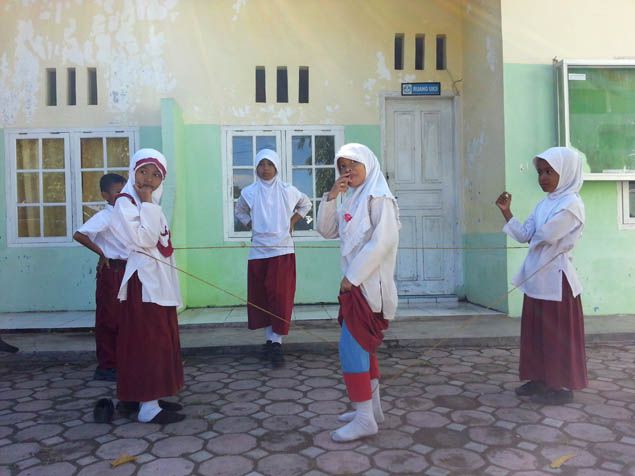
[
  {"x": 552, "y": 348},
  {"x": 367, "y": 224},
  {"x": 271, "y": 272},
  {"x": 107, "y": 306},
  {"x": 148, "y": 347}
]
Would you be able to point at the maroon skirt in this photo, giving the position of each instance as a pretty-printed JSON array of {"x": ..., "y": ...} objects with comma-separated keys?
[
  {"x": 148, "y": 349},
  {"x": 552, "y": 341},
  {"x": 271, "y": 286},
  {"x": 366, "y": 326}
]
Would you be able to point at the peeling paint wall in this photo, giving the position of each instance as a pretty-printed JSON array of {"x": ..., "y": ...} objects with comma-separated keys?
[{"x": 204, "y": 54}]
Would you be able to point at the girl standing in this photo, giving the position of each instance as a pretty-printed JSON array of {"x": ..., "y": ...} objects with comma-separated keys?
[
  {"x": 148, "y": 347},
  {"x": 367, "y": 224},
  {"x": 552, "y": 354},
  {"x": 272, "y": 208}
]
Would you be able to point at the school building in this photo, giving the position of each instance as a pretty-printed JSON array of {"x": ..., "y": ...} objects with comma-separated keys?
[{"x": 454, "y": 96}]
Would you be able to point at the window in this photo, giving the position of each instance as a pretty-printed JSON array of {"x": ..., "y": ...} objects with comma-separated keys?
[
  {"x": 51, "y": 87},
  {"x": 71, "y": 87},
  {"x": 303, "y": 85},
  {"x": 92, "y": 86},
  {"x": 282, "y": 87},
  {"x": 306, "y": 156},
  {"x": 627, "y": 205},
  {"x": 261, "y": 92},
  {"x": 441, "y": 52},
  {"x": 399, "y": 39},
  {"x": 53, "y": 180},
  {"x": 419, "y": 52}
]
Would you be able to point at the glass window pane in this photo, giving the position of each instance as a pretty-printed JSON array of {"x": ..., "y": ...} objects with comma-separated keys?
[
  {"x": 53, "y": 153},
  {"x": 324, "y": 150},
  {"x": 324, "y": 179},
  {"x": 54, "y": 221},
  {"x": 28, "y": 187},
  {"x": 28, "y": 222},
  {"x": 117, "y": 151},
  {"x": 238, "y": 226},
  {"x": 90, "y": 186},
  {"x": 307, "y": 223},
  {"x": 303, "y": 181},
  {"x": 241, "y": 179},
  {"x": 631, "y": 199},
  {"x": 26, "y": 154},
  {"x": 242, "y": 150},
  {"x": 89, "y": 210},
  {"x": 54, "y": 187},
  {"x": 301, "y": 150},
  {"x": 92, "y": 153},
  {"x": 265, "y": 142}
]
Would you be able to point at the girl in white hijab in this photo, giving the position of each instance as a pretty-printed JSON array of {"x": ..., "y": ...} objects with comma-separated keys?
[
  {"x": 148, "y": 345},
  {"x": 552, "y": 353},
  {"x": 367, "y": 223},
  {"x": 272, "y": 208}
]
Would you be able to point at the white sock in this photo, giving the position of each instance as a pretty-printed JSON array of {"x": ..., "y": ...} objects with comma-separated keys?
[
  {"x": 148, "y": 410},
  {"x": 377, "y": 411},
  {"x": 362, "y": 425},
  {"x": 275, "y": 338}
]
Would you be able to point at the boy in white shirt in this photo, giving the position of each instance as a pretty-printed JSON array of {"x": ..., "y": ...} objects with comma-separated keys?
[{"x": 95, "y": 235}]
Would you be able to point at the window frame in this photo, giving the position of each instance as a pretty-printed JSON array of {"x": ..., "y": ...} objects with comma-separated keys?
[
  {"x": 72, "y": 171},
  {"x": 626, "y": 222},
  {"x": 285, "y": 135}
]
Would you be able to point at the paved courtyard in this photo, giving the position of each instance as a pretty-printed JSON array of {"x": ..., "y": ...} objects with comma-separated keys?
[{"x": 449, "y": 411}]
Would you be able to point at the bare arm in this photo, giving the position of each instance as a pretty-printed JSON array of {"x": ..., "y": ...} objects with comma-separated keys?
[{"x": 91, "y": 245}]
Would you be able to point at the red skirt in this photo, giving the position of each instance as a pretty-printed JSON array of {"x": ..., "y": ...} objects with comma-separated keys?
[
  {"x": 552, "y": 341},
  {"x": 366, "y": 326},
  {"x": 148, "y": 349},
  {"x": 271, "y": 286},
  {"x": 108, "y": 311}
]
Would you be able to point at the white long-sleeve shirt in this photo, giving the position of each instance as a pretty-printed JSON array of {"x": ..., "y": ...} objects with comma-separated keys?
[
  {"x": 139, "y": 229},
  {"x": 372, "y": 264},
  {"x": 269, "y": 245},
  {"x": 548, "y": 256}
]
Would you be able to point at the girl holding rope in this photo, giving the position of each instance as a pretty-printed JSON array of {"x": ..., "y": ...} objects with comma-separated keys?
[
  {"x": 367, "y": 224},
  {"x": 552, "y": 353}
]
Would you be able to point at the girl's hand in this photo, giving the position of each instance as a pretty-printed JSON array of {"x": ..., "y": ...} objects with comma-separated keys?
[
  {"x": 145, "y": 193},
  {"x": 103, "y": 261},
  {"x": 345, "y": 285},
  {"x": 504, "y": 203},
  {"x": 340, "y": 186}
]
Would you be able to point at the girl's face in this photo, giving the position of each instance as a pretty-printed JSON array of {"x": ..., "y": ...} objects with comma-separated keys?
[
  {"x": 355, "y": 171},
  {"x": 547, "y": 177},
  {"x": 266, "y": 170},
  {"x": 148, "y": 175}
]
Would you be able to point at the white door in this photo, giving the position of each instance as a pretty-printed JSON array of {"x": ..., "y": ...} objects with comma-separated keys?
[{"x": 420, "y": 168}]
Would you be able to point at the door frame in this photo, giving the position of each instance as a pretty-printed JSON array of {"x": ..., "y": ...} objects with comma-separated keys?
[{"x": 457, "y": 156}]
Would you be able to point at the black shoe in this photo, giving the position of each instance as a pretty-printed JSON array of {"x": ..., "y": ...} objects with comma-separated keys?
[
  {"x": 553, "y": 397},
  {"x": 128, "y": 408},
  {"x": 165, "y": 417},
  {"x": 103, "y": 411},
  {"x": 4, "y": 347},
  {"x": 533, "y": 387},
  {"x": 266, "y": 351},
  {"x": 108, "y": 375},
  {"x": 277, "y": 357}
]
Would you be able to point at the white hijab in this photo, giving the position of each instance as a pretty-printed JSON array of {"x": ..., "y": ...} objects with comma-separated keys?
[
  {"x": 567, "y": 163},
  {"x": 272, "y": 202},
  {"x": 139, "y": 159},
  {"x": 356, "y": 200}
]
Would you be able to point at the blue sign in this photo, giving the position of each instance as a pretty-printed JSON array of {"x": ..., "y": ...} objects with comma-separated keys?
[{"x": 420, "y": 89}]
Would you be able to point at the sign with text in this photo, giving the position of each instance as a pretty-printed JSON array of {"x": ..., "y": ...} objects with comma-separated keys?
[{"x": 420, "y": 89}]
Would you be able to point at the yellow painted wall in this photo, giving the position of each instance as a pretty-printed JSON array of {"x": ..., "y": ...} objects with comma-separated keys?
[
  {"x": 534, "y": 31},
  {"x": 204, "y": 53}
]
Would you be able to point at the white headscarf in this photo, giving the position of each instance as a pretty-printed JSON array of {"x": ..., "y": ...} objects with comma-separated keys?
[
  {"x": 272, "y": 202},
  {"x": 139, "y": 159},
  {"x": 567, "y": 163},
  {"x": 356, "y": 201}
]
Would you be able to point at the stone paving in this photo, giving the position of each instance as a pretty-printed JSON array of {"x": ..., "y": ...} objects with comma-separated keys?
[{"x": 449, "y": 411}]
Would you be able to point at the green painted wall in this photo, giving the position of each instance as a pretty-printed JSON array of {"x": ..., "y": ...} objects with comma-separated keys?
[
  {"x": 484, "y": 274},
  {"x": 603, "y": 257},
  {"x": 49, "y": 278}
]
